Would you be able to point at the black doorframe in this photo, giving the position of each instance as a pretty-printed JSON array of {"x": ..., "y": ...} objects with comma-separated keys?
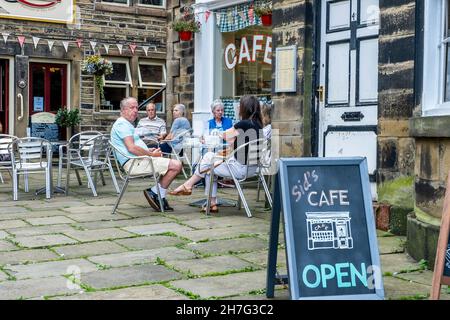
[{"x": 315, "y": 78}]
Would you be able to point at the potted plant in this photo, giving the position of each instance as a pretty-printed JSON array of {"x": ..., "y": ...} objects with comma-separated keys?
[
  {"x": 265, "y": 12},
  {"x": 98, "y": 67},
  {"x": 68, "y": 118},
  {"x": 186, "y": 25}
]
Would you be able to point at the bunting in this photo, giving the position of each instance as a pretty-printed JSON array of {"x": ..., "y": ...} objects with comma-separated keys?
[
  {"x": 36, "y": 41},
  {"x": 132, "y": 48},
  {"x": 93, "y": 45},
  {"x": 120, "y": 47},
  {"x": 79, "y": 42},
  {"x": 145, "y": 48},
  {"x": 5, "y": 36},
  {"x": 66, "y": 45},
  {"x": 21, "y": 40},
  {"x": 106, "y": 46},
  {"x": 50, "y": 44},
  {"x": 207, "y": 14}
]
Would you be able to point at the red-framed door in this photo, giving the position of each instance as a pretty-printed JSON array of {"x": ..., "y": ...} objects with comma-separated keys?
[
  {"x": 48, "y": 87},
  {"x": 4, "y": 91}
]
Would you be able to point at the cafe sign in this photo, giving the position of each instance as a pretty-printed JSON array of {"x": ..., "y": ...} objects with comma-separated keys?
[
  {"x": 57, "y": 11},
  {"x": 248, "y": 50}
]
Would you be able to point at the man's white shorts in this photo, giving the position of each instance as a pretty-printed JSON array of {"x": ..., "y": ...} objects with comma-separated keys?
[{"x": 142, "y": 166}]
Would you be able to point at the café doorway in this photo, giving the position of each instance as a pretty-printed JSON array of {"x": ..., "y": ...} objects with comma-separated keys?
[{"x": 4, "y": 99}]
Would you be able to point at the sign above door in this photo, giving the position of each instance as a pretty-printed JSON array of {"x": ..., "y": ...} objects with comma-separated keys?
[{"x": 57, "y": 11}]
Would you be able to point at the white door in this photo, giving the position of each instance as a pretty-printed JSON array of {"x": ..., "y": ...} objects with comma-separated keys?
[{"x": 348, "y": 91}]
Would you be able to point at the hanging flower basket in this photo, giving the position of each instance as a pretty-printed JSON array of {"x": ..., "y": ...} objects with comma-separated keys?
[
  {"x": 98, "y": 67},
  {"x": 266, "y": 20},
  {"x": 185, "y": 35}
]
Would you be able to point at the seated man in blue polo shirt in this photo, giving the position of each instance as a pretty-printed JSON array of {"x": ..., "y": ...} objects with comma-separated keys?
[{"x": 123, "y": 136}]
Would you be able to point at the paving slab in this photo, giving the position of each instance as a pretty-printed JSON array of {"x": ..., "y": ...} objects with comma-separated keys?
[
  {"x": 32, "y": 214},
  {"x": 3, "y": 235},
  {"x": 228, "y": 246},
  {"x": 260, "y": 257},
  {"x": 44, "y": 240},
  {"x": 34, "y": 288},
  {"x": 100, "y": 234},
  {"x": 424, "y": 277},
  {"x": 89, "y": 249},
  {"x": 54, "y": 203},
  {"x": 205, "y": 266},
  {"x": 122, "y": 223},
  {"x": 40, "y": 230},
  {"x": 15, "y": 223},
  {"x": 7, "y": 246},
  {"x": 6, "y": 211},
  {"x": 158, "y": 228},
  {"x": 3, "y": 276},
  {"x": 150, "y": 242},
  {"x": 142, "y": 256},
  {"x": 395, "y": 288},
  {"x": 25, "y": 256},
  {"x": 86, "y": 209},
  {"x": 222, "y": 222},
  {"x": 223, "y": 286},
  {"x": 391, "y": 244},
  {"x": 129, "y": 276},
  {"x": 397, "y": 262},
  {"x": 49, "y": 220},
  {"x": 97, "y": 216},
  {"x": 52, "y": 268},
  {"x": 222, "y": 233},
  {"x": 151, "y": 292}
]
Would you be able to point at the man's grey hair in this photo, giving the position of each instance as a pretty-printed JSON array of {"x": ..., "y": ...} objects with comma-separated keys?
[
  {"x": 181, "y": 107},
  {"x": 124, "y": 103},
  {"x": 216, "y": 103},
  {"x": 150, "y": 104}
]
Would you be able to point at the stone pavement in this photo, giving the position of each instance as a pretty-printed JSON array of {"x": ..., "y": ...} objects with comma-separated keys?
[{"x": 73, "y": 248}]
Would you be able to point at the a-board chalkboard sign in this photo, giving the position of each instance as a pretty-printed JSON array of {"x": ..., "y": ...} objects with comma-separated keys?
[
  {"x": 48, "y": 131},
  {"x": 331, "y": 244},
  {"x": 441, "y": 274}
]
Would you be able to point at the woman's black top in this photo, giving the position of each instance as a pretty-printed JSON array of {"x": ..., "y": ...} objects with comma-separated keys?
[{"x": 248, "y": 131}]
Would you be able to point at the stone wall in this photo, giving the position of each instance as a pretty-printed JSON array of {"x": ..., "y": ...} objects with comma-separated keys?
[
  {"x": 292, "y": 25},
  {"x": 98, "y": 22},
  {"x": 396, "y": 88},
  {"x": 180, "y": 64}
]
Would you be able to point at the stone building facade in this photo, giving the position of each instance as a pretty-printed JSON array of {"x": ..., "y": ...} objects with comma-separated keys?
[{"x": 124, "y": 23}]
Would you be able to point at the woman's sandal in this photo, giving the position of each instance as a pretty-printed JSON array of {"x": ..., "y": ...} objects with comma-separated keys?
[
  {"x": 212, "y": 209},
  {"x": 183, "y": 192}
]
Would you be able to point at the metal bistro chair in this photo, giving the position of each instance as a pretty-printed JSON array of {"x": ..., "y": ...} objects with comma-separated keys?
[
  {"x": 97, "y": 160},
  {"x": 5, "y": 158},
  {"x": 75, "y": 141},
  {"x": 255, "y": 149},
  {"x": 126, "y": 177},
  {"x": 31, "y": 155},
  {"x": 176, "y": 153}
]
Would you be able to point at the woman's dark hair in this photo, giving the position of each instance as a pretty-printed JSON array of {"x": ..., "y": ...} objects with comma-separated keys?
[{"x": 249, "y": 109}]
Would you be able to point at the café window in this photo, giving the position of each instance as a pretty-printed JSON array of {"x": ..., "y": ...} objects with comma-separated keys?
[
  {"x": 117, "y": 85},
  {"x": 244, "y": 62},
  {"x": 152, "y": 3},
  {"x": 152, "y": 78},
  {"x": 117, "y": 2}
]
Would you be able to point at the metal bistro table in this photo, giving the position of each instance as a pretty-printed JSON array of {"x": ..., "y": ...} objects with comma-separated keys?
[
  {"x": 195, "y": 145},
  {"x": 57, "y": 188}
]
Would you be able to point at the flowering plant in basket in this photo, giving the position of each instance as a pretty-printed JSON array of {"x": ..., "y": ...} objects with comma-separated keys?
[{"x": 98, "y": 67}]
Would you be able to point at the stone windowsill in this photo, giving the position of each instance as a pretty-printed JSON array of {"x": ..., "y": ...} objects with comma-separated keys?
[
  {"x": 428, "y": 127},
  {"x": 138, "y": 10}
]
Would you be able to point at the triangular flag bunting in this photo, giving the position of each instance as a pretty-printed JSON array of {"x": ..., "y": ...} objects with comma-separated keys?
[
  {"x": 79, "y": 42},
  {"x": 207, "y": 14},
  {"x": 106, "y": 47},
  {"x": 218, "y": 18},
  {"x": 132, "y": 47},
  {"x": 93, "y": 45},
  {"x": 145, "y": 48},
  {"x": 120, "y": 47},
  {"x": 66, "y": 45},
  {"x": 21, "y": 40},
  {"x": 250, "y": 15},
  {"x": 155, "y": 48},
  {"x": 50, "y": 44},
  {"x": 36, "y": 41},
  {"x": 5, "y": 36}
]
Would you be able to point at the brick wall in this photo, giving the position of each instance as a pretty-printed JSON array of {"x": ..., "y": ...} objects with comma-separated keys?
[
  {"x": 180, "y": 64},
  {"x": 396, "y": 88},
  {"x": 292, "y": 25}
]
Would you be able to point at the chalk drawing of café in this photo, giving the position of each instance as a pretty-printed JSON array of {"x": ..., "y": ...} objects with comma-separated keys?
[
  {"x": 233, "y": 57},
  {"x": 329, "y": 230}
]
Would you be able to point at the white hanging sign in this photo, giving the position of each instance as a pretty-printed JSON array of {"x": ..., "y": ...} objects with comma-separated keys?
[{"x": 57, "y": 11}]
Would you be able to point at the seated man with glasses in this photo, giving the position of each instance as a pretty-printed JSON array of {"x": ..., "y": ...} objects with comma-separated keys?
[{"x": 152, "y": 126}]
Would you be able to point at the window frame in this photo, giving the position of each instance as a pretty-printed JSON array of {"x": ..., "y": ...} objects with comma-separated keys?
[
  {"x": 434, "y": 58},
  {"x": 118, "y": 84},
  {"x": 153, "y": 85},
  {"x": 163, "y": 6}
]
